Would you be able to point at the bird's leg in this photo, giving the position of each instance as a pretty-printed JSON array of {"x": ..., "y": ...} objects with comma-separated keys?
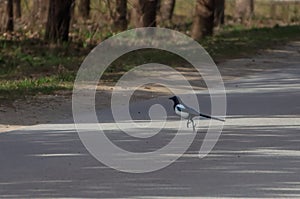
[
  {"x": 194, "y": 126},
  {"x": 188, "y": 123}
]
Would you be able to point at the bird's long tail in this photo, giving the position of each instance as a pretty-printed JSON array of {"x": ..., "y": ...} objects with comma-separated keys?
[{"x": 211, "y": 117}]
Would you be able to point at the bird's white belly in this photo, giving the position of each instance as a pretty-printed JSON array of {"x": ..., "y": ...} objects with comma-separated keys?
[{"x": 182, "y": 114}]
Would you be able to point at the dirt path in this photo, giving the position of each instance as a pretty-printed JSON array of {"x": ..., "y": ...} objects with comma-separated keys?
[{"x": 54, "y": 108}]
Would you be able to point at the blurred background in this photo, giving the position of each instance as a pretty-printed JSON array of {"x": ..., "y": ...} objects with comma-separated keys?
[
  {"x": 43, "y": 42},
  {"x": 94, "y": 20}
]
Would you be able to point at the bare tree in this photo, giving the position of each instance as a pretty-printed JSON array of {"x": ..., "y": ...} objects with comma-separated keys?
[
  {"x": 18, "y": 11},
  {"x": 10, "y": 16},
  {"x": 203, "y": 22},
  {"x": 144, "y": 13},
  {"x": 244, "y": 9},
  {"x": 219, "y": 13},
  {"x": 59, "y": 16},
  {"x": 84, "y": 8},
  {"x": 120, "y": 17},
  {"x": 167, "y": 9}
]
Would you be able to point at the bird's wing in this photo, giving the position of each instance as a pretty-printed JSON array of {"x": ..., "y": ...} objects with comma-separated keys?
[
  {"x": 187, "y": 109},
  {"x": 193, "y": 112},
  {"x": 180, "y": 107}
]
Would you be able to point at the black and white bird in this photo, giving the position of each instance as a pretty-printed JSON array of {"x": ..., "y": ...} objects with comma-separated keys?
[{"x": 188, "y": 113}]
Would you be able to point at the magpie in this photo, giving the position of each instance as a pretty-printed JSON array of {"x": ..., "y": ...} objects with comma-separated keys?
[{"x": 188, "y": 113}]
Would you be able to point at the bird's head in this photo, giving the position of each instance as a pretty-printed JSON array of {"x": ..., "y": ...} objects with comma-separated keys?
[{"x": 175, "y": 99}]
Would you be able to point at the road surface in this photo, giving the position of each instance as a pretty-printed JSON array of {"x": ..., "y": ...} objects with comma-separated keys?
[{"x": 257, "y": 155}]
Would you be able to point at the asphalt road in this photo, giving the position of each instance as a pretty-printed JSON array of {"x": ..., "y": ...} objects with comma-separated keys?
[{"x": 257, "y": 155}]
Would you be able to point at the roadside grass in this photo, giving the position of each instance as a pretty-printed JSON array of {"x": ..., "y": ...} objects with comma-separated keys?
[
  {"x": 12, "y": 89},
  {"x": 33, "y": 67},
  {"x": 236, "y": 41}
]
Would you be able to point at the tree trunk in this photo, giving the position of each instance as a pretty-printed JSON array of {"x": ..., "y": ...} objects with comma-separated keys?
[
  {"x": 84, "y": 8},
  {"x": 120, "y": 18},
  {"x": 10, "y": 16},
  {"x": 18, "y": 11},
  {"x": 203, "y": 22},
  {"x": 59, "y": 16},
  {"x": 40, "y": 8},
  {"x": 144, "y": 13},
  {"x": 219, "y": 13},
  {"x": 244, "y": 9},
  {"x": 167, "y": 9}
]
